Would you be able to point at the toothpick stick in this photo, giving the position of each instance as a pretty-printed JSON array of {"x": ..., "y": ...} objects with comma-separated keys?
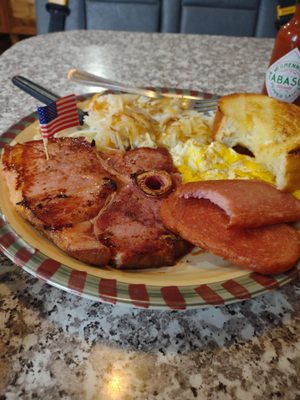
[{"x": 45, "y": 142}]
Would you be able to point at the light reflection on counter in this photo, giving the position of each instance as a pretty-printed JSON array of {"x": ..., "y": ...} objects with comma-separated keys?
[
  {"x": 116, "y": 387},
  {"x": 113, "y": 373}
]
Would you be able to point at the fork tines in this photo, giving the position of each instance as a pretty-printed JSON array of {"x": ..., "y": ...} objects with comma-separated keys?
[{"x": 204, "y": 105}]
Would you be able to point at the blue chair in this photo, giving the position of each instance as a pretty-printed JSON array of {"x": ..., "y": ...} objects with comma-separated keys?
[
  {"x": 227, "y": 17},
  {"x": 219, "y": 17},
  {"x": 122, "y": 15}
]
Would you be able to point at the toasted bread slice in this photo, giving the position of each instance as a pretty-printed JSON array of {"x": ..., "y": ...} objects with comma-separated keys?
[{"x": 268, "y": 128}]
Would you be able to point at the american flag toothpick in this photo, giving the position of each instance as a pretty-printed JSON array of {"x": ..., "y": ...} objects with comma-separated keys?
[{"x": 56, "y": 116}]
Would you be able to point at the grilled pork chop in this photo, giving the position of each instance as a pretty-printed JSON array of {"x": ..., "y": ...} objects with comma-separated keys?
[
  {"x": 98, "y": 208},
  {"x": 62, "y": 195},
  {"x": 145, "y": 241}
]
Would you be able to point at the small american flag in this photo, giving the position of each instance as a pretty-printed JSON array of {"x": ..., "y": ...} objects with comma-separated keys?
[{"x": 59, "y": 115}]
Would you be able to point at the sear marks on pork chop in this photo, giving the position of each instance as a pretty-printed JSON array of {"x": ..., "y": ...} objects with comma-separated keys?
[
  {"x": 131, "y": 227},
  {"x": 60, "y": 196},
  {"x": 126, "y": 164},
  {"x": 69, "y": 188},
  {"x": 80, "y": 242}
]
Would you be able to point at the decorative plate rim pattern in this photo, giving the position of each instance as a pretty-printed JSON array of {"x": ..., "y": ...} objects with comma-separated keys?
[{"x": 114, "y": 291}]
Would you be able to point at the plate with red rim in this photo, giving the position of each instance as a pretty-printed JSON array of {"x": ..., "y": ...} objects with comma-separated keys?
[{"x": 199, "y": 279}]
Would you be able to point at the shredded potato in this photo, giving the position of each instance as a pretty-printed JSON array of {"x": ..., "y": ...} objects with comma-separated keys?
[{"x": 127, "y": 121}]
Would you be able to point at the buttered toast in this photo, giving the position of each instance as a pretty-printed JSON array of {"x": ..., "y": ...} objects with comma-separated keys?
[{"x": 268, "y": 128}]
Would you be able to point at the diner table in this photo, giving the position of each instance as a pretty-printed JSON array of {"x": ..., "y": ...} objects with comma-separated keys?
[{"x": 55, "y": 344}]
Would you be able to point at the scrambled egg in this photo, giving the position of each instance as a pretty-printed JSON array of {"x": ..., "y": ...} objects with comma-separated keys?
[
  {"x": 128, "y": 121},
  {"x": 216, "y": 161}
]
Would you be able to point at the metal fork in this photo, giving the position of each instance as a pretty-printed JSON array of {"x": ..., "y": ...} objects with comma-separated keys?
[
  {"x": 197, "y": 103},
  {"x": 204, "y": 105}
]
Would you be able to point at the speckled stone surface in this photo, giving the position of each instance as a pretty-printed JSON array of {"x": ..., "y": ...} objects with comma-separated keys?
[{"x": 55, "y": 345}]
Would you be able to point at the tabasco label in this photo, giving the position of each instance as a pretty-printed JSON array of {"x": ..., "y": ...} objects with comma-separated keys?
[{"x": 283, "y": 77}]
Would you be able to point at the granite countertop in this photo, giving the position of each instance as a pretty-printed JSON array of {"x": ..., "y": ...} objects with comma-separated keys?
[{"x": 56, "y": 345}]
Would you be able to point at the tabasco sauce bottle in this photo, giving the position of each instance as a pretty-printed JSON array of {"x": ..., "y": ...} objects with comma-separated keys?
[{"x": 283, "y": 75}]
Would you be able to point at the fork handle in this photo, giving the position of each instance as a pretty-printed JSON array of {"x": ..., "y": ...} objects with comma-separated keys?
[
  {"x": 86, "y": 78},
  {"x": 40, "y": 93},
  {"x": 35, "y": 90}
]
